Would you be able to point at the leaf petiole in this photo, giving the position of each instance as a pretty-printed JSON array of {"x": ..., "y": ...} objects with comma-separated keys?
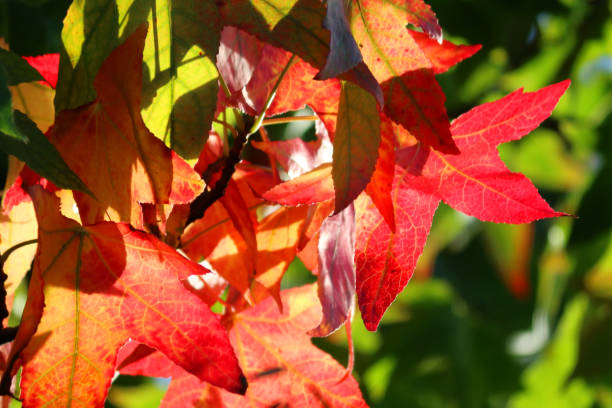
[
  {"x": 278, "y": 121},
  {"x": 260, "y": 118},
  {"x": 12, "y": 249}
]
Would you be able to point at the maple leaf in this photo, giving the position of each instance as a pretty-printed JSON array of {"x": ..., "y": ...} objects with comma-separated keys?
[
  {"x": 298, "y": 27},
  {"x": 413, "y": 98},
  {"x": 344, "y": 53},
  {"x": 336, "y": 277},
  {"x": 475, "y": 182},
  {"x": 108, "y": 145},
  {"x": 100, "y": 286},
  {"x": 356, "y": 143},
  {"x": 442, "y": 55},
  {"x": 279, "y": 361}
]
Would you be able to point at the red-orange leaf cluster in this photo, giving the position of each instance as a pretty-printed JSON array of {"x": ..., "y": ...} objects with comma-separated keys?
[{"x": 118, "y": 281}]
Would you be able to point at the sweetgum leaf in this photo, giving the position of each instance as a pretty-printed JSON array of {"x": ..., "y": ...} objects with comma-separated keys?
[
  {"x": 92, "y": 29},
  {"x": 385, "y": 260},
  {"x": 378, "y": 188},
  {"x": 336, "y": 279},
  {"x": 97, "y": 295},
  {"x": 413, "y": 98},
  {"x": 312, "y": 187},
  {"x": 421, "y": 15},
  {"x": 344, "y": 53},
  {"x": 296, "y": 26},
  {"x": 281, "y": 364},
  {"x": 443, "y": 55},
  {"x": 356, "y": 143},
  {"x": 180, "y": 92},
  {"x": 47, "y": 66},
  {"x": 109, "y": 146},
  {"x": 29, "y": 145},
  {"x": 475, "y": 181},
  {"x": 239, "y": 54}
]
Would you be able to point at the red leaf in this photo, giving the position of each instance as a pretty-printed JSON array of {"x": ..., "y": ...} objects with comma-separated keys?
[
  {"x": 385, "y": 260},
  {"x": 413, "y": 98},
  {"x": 47, "y": 65},
  {"x": 239, "y": 53},
  {"x": 378, "y": 188},
  {"x": 421, "y": 15},
  {"x": 97, "y": 294},
  {"x": 107, "y": 144},
  {"x": 279, "y": 361},
  {"x": 309, "y": 188},
  {"x": 443, "y": 55},
  {"x": 476, "y": 181},
  {"x": 336, "y": 280}
]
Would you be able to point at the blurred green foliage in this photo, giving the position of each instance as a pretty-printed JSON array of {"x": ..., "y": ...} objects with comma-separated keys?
[{"x": 496, "y": 315}]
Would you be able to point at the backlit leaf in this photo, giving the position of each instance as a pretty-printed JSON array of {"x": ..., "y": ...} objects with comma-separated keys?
[
  {"x": 180, "y": 91},
  {"x": 97, "y": 294},
  {"x": 281, "y": 364},
  {"x": 385, "y": 260},
  {"x": 443, "y": 55},
  {"x": 356, "y": 144},
  {"x": 108, "y": 145},
  {"x": 344, "y": 53},
  {"x": 413, "y": 98},
  {"x": 92, "y": 29},
  {"x": 336, "y": 279}
]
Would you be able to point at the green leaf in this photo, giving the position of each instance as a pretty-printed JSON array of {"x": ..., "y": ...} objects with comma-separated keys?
[
  {"x": 31, "y": 146},
  {"x": 180, "y": 95},
  {"x": 355, "y": 143},
  {"x": 7, "y": 124},
  {"x": 16, "y": 69},
  {"x": 92, "y": 30}
]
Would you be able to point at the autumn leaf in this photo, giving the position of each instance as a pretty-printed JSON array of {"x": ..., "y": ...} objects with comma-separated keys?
[
  {"x": 344, "y": 53},
  {"x": 336, "y": 278},
  {"x": 356, "y": 143},
  {"x": 47, "y": 66},
  {"x": 445, "y": 54},
  {"x": 475, "y": 182},
  {"x": 91, "y": 31},
  {"x": 102, "y": 285},
  {"x": 378, "y": 187},
  {"x": 413, "y": 98},
  {"x": 16, "y": 227},
  {"x": 298, "y": 27},
  {"x": 239, "y": 54},
  {"x": 108, "y": 145},
  {"x": 385, "y": 260},
  {"x": 312, "y": 187},
  {"x": 281, "y": 364}
]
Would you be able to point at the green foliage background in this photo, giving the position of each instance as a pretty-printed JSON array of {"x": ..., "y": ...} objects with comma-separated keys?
[{"x": 496, "y": 315}]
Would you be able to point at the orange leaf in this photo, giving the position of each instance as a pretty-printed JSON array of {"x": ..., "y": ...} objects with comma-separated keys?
[
  {"x": 413, "y": 98},
  {"x": 108, "y": 145},
  {"x": 312, "y": 187},
  {"x": 102, "y": 285},
  {"x": 282, "y": 366},
  {"x": 277, "y": 238}
]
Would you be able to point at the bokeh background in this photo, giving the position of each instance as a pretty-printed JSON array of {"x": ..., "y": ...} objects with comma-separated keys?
[{"x": 495, "y": 315}]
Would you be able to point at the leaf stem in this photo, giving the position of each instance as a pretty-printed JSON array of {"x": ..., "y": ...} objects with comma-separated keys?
[
  {"x": 12, "y": 249},
  {"x": 273, "y": 164},
  {"x": 278, "y": 121},
  {"x": 260, "y": 118}
]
